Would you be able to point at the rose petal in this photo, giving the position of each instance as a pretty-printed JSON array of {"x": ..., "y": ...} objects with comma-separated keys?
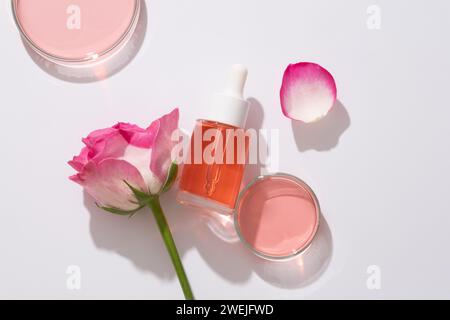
[
  {"x": 140, "y": 159},
  {"x": 137, "y": 136},
  {"x": 78, "y": 162},
  {"x": 98, "y": 135},
  {"x": 76, "y": 178},
  {"x": 163, "y": 144},
  {"x": 308, "y": 92},
  {"x": 108, "y": 146},
  {"x": 105, "y": 183}
]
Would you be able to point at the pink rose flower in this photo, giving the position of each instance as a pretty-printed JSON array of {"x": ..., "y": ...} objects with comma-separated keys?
[
  {"x": 125, "y": 168},
  {"x": 122, "y": 156}
]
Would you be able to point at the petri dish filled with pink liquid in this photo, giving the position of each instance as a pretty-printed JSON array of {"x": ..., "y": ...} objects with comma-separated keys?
[
  {"x": 277, "y": 216},
  {"x": 76, "y": 32}
]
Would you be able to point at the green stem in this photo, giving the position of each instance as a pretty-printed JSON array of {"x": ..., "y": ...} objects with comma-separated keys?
[{"x": 155, "y": 206}]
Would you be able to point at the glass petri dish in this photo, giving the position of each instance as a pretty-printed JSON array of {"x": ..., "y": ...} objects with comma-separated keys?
[
  {"x": 277, "y": 216},
  {"x": 76, "y": 32}
]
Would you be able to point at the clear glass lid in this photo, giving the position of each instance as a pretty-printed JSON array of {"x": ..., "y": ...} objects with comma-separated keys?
[
  {"x": 277, "y": 216},
  {"x": 76, "y": 31}
]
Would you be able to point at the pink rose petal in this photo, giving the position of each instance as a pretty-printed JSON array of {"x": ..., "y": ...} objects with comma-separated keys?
[
  {"x": 98, "y": 135},
  {"x": 111, "y": 146},
  {"x": 308, "y": 92},
  {"x": 78, "y": 162},
  {"x": 163, "y": 144},
  {"x": 137, "y": 136},
  {"x": 105, "y": 183}
]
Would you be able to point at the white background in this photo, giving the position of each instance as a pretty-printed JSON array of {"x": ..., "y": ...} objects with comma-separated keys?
[{"x": 379, "y": 162}]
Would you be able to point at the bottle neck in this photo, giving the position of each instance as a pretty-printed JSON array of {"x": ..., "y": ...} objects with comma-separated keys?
[{"x": 229, "y": 110}]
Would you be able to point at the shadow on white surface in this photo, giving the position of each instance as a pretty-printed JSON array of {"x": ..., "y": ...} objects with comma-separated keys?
[
  {"x": 214, "y": 238},
  {"x": 212, "y": 235},
  {"x": 138, "y": 239},
  {"x": 103, "y": 69},
  {"x": 324, "y": 134},
  {"x": 255, "y": 121},
  {"x": 291, "y": 274}
]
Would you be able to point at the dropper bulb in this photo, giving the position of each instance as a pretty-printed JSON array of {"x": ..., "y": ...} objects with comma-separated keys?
[
  {"x": 229, "y": 106},
  {"x": 236, "y": 81}
]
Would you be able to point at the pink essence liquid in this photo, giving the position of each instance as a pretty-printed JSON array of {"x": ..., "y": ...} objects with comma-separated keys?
[
  {"x": 75, "y": 29},
  {"x": 277, "y": 216}
]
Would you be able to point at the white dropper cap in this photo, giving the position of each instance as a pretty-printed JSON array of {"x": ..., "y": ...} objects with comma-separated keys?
[{"x": 230, "y": 107}]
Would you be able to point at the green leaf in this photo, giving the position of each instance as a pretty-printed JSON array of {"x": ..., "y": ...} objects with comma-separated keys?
[
  {"x": 121, "y": 212},
  {"x": 171, "y": 177},
  {"x": 141, "y": 197}
]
